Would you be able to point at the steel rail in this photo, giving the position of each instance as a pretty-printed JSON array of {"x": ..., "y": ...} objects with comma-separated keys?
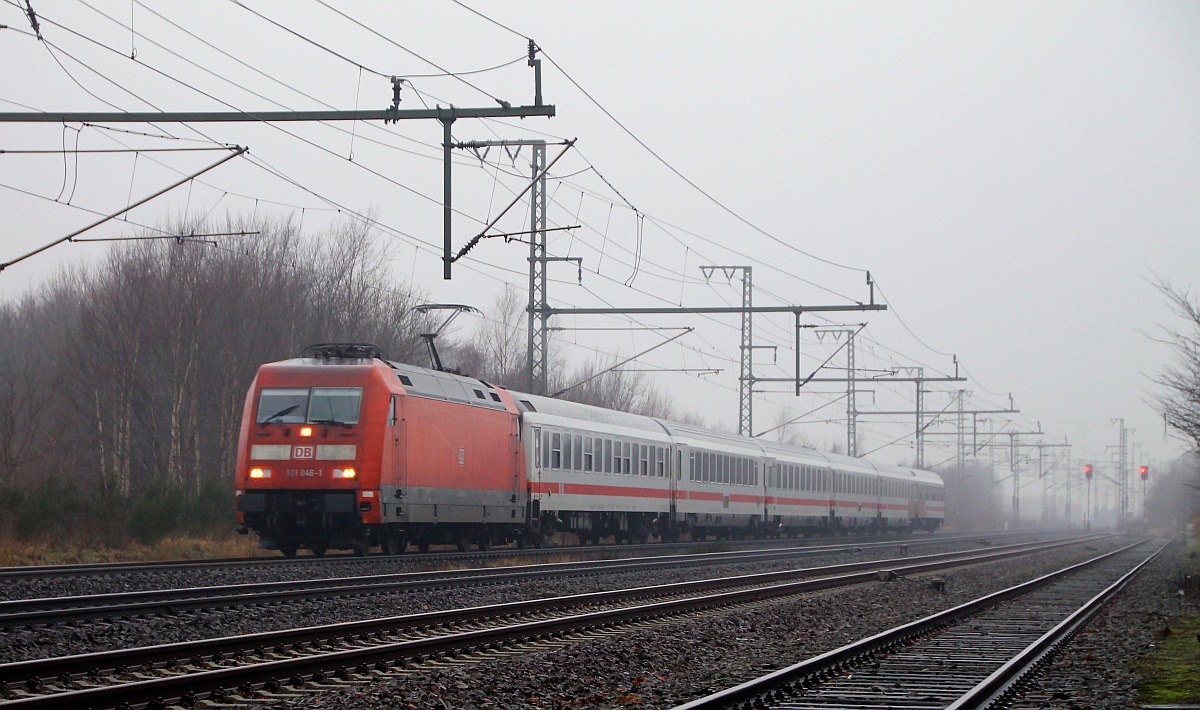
[
  {"x": 1006, "y": 678},
  {"x": 785, "y": 682},
  {"x": 745, "y": 589},
  {"x": 57, "y": 609},
  {"x": 53, "y": 609},
  {"x": 80, "y": 569}
]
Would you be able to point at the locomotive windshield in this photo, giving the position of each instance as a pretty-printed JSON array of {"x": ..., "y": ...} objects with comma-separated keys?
[
  {"x": 334, "y": 405},
  {"x": 319, "y": 405}
]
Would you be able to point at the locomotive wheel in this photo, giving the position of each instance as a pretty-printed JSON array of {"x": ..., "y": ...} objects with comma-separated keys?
[
  {"x": 361, "y": 546},
  {"x": 394, "y": 542},
  {"x": 318, "y": 551},
  {"x": 288, "y": 549},
  {"x": 485, "y": 539},
  {"x": 423, "y": 546},
  {"x": 463, "y": 541}
]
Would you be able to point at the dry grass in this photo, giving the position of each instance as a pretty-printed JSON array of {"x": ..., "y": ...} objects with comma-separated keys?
[{"x": 15, "y": 553}]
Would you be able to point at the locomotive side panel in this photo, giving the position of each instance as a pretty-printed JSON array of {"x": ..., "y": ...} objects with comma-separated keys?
[{"x": 460, "y": 464}]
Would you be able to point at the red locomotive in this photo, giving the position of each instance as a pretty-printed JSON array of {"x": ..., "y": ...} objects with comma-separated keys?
[{"x": 341, "y": 448}]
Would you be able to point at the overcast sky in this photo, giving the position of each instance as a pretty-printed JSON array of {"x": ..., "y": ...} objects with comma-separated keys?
[{"x": 1014, "y": 176}]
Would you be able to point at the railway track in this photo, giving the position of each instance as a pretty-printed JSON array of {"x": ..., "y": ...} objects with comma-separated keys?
[
  {"x": 268, "y": 664},
  {"x": 48, "y": 610},
  {"x": 970, "y": 656},
  {"x": 33, "y": 572}
]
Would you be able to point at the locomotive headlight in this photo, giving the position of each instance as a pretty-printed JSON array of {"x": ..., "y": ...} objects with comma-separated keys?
[
  {"x": 305, "y": 431},
  {"x": 344, "y": 473},
  {"x": 260, "y": 473}
]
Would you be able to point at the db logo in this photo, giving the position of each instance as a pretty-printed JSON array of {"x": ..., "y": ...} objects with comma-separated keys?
[{"x": 304, "y": 452}]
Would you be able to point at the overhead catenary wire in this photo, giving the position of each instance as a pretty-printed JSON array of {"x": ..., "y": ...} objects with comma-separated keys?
[
  {"x": 613, "y": 188},
  {"x": 311, "y": 143}
]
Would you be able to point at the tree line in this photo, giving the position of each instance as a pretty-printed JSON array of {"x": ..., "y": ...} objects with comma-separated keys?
[{"x": 122, "y": 384}]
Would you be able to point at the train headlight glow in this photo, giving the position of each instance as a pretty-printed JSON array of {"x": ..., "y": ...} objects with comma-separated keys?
[
  {"x": 260, "y": 473},
  {"x": 305, "y": 431},
  {"x": 344, "y": 473}
]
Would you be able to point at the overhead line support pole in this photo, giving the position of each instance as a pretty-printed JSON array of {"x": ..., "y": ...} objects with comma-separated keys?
[{"x": 447, "y": 189}]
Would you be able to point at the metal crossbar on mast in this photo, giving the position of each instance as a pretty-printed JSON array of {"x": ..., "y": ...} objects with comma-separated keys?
[
  {"x": 446, "y": 116},
  {"x": 919, "y": 379}
]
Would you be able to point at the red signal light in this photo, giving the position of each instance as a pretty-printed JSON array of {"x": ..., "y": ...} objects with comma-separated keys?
[
  {"x": 1087, "y": 470},
  {"x": 1144, "y": 472}
]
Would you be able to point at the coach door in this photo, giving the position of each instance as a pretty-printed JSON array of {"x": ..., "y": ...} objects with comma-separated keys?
[
  {"x": 536, "y": 447},
  {"x": 832, "y": 484},
  {"x": 678, "y": 468}
]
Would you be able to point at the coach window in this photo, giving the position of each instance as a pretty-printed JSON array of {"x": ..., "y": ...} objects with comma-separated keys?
[
  {"x": 608, "y": 456},
  {"x": 660, "y": 461},
  {"x": 587, "y": 454},
  {"x": 578, "y": 452},
  {"x": 545, "y": 449},
  {"x": 644, "y": 461},
  {"x": 566, "y": 451},
  {"x": 556, "y": 450}
]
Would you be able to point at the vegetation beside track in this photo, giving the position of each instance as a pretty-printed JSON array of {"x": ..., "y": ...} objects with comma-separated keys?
[
  {"x": 15, "y": 552},
  {"x": 1171, "y": 674}
]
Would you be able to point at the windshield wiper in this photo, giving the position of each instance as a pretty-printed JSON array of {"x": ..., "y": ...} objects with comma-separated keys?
[
  {"x": 281, "y": 413},
  {"x": 332, "y": 422}
]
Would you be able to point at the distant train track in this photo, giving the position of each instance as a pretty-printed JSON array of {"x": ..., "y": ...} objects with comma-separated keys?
[
  {"x": 970, "y": 656},
  {"x": 265, "y": 663},
  {"x": 128, "y": 604},
  {"x": 114, "y": 568}
]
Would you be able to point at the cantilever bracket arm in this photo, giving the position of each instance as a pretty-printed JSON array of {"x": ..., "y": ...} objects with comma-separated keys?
[{"x": 236, "y": 151}]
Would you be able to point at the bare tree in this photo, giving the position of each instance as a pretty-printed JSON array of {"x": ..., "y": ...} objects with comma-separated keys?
[
  {"x": 1179, "y": 403},
  {"x": 25, "y": 384},
  {"x": 972, "y": 502}
]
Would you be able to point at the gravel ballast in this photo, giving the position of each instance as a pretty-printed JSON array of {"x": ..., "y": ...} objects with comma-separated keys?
[{"x": 672, "y": 663}]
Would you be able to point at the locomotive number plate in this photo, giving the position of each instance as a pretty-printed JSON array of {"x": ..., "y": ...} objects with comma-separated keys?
[
  {"x": 304, "y": 452},
  {"x": 303, "y": 472}
]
